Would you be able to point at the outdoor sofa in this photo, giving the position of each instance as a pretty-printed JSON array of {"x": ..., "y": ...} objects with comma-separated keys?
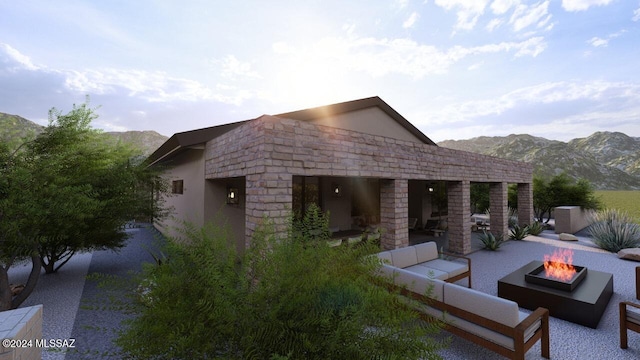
[{"x": 489, "y": 321}]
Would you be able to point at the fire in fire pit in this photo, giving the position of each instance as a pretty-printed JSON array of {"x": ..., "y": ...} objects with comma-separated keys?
[
  {"x": 559, "y": 266},
  {"x": 558, "y": 272}
]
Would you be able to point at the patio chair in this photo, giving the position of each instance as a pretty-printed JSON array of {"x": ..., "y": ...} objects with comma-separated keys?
[
  {"x": 629, "y": 320},
  {"x": 412, "y": 223}
]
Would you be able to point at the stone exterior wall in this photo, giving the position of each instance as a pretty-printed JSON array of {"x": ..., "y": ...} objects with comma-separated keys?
[
  {"x": 459, "y": 199},
  {"x": 499, "y": 209},
  {"x": 525, "y": 204},
  {"x": 394, "y": 218},
  {"x": 21, "y": 324},
  {"x": 270, "y": 150}
]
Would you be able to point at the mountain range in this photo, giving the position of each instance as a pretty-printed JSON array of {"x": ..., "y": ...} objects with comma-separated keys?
[
  {"x": 14, "y": 128},
  {"x": 609, "y": 160}
]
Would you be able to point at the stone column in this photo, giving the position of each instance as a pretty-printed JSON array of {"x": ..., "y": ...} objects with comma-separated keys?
[
  {"x": 268, "y": 197},
  {"x": 525, "y": 204},
  {"x": 394, "y": 213},
  {"x": 499, "y": 207},
  {"x": 459, "y": 200}
]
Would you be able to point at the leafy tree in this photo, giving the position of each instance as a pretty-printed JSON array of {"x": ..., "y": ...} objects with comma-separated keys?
[
  {"x": 290, "y": 298},
  {"x": 69, "y": 190},
  {"x": 479, "y": 196},
  {"x": 561, "y": 190}
]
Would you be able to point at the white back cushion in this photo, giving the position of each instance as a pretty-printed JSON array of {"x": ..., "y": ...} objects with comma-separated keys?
[
  {"x": 420, "y": 284},
  {"x": 404, "y": 257},
  {"x": 385, "y": 256},
  {"x": 426, "y": 251},
  {"x": 492, "y": 307}
]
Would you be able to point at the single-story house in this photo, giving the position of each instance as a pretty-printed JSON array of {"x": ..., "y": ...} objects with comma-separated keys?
[{"x": 359, "y": 160}]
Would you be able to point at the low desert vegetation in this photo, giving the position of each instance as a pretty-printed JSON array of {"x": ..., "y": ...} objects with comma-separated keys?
[
  {"x": 627, "y": 201},
  {"x": 291, "y": 297},
  {"x": 614, "y": 230}
]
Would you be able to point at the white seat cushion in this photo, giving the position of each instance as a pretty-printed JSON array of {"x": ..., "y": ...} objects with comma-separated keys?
[
  {"x": 633, "y": 315},
  {"x": 428, "y": 272},
  {"x": 497, "y": 309},
  {"x": 450, "y": 267},
  {"x": 419, "y": 284},
  {"x": 404, "y": 257},
  {"x": 426, "y": 251}
]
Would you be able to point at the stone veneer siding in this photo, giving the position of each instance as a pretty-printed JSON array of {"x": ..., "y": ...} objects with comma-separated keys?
[
  {"x": 268, "y": 151},
  {"x": 459, "y": 201},
  {"x": 21, "y": 324},
  {"x": 498, "y": 200},
  {"x": 525, "y": 204},
  {"x": 394, "y": 218}
]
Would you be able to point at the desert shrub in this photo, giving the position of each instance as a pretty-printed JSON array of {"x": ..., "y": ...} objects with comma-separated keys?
[
  {"x": 535, "y": 228},
  {"x": 518, "y": 233},
  {"x": 290, "y": 297},
  {"x": 491, "y": 241},
  {"x": 614, "y": 230}
]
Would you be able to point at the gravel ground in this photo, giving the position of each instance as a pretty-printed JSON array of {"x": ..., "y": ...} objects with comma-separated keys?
[
  {"x": 93, "y": 321},
  {"x": 75, "y": 306}
]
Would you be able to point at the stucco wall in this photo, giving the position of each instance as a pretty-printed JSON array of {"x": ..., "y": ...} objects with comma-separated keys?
[
  {"x": 23, "y": 325},
  {"x": 189, "y": 206},
  {"x": 369, "y": 121}
]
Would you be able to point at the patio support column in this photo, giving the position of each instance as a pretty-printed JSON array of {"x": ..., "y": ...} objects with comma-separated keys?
[
  {"x": 459, "y": 200},
  {"x": 269, "y": 196},
  {"x": 499, "y": 208},
  {"x": 394, "y": 213},
  {"x": 525, "y": 204}
]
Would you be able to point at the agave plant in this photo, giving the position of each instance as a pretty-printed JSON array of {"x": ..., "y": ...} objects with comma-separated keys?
[
  {"x": 490, "y": 241},
  {"x": 518, "y": 233},
  {"x": 614, "y": 230},
  {"x": 536, "y": 228}
]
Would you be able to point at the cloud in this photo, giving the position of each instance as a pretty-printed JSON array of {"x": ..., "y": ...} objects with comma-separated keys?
[
  {"x": 581, "y": 5},
  {"x": 407, "y": 24},
  {"x": 232, "y": 68},
  {"x": 467, "y": 11},
  {"x": 636, "y": 15},
  {"x": 14, "y": 59},
  {"x": 600, "y": 42},
  {"x": 525, "y": 15},
  {"x": 546, "y": 94},
  {"x": 381, "y": 57},
  {"x": 500, "y": 7},
  {"x": 597, "y": 42}
]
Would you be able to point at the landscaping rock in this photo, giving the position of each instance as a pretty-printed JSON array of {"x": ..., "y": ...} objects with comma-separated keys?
[
  {"x": 567, "y": 237},
  {"x": 630, "y": 254}
]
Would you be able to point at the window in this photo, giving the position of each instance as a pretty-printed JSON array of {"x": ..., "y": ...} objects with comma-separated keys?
[{"x": 177, "y": 186}]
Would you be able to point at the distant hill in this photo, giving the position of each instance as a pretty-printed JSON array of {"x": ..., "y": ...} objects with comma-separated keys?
[
  {"x": 609, "y": 160},
  {"x": 14, "y": 128}
]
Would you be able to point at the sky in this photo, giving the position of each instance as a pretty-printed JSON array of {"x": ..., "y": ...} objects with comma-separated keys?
[{"x": 456, "y": 69}]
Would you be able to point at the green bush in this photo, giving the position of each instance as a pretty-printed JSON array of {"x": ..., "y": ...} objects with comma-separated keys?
[
  {"x": 614, "y": 230},
  {"x": 536, "y": 228},
  {"x": 491, "y": 241},
  {"x": 286, "y": 298},
  {"x": 518, "y": 233}
]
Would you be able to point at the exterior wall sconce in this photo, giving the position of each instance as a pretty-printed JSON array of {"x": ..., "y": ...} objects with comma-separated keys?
[
  {"x": 336, "y": 190},
  {"x": 232, "y": 196},
  {"x": 430, "y": 189}
]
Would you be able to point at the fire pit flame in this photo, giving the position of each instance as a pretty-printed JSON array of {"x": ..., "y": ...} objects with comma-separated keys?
[{"x": 559, "y": 265}]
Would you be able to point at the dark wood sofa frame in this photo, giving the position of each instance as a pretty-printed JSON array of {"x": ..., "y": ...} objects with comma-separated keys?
[
  {"x": 626, "y": 325},
  {"x": 516, "y": 333}
]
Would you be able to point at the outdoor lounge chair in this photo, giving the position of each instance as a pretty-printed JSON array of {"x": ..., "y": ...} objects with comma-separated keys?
[{"x": 629, "y": 320}]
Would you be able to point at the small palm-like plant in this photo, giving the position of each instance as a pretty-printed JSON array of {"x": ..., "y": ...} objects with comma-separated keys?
[
  {"x": 614, "y": 230},
  {"x": 490, "y": 241},
  {"x": 518, "y": 233}
]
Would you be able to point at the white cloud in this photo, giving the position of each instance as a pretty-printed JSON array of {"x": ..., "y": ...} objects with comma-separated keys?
[
  {"x": 380, "y": 57},
  {"x": 545, "y": 94},
  {"x": 232, "y": 68},
  {"x": 636, "y": 14},
  {"x": 597, "y": 42},
  {"x": 600, "y": 42},
  {"x": 467, "y": 11},
  {"x": 525, "y": 15},
  {"x": 494, "y": 24},
  {"x": 581, "y": 5},
  {"x": 500, "y": 7},
  {"x": 14, "y": 59},
  {"x": 411, "y": 20}
]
